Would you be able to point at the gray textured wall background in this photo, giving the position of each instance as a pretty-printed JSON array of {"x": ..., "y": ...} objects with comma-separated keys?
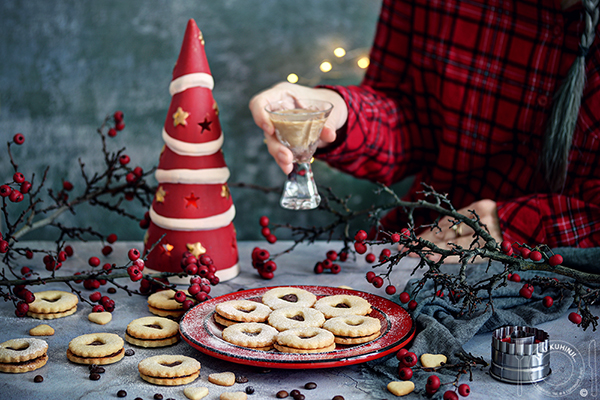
[{"x": 66, "y": 64}]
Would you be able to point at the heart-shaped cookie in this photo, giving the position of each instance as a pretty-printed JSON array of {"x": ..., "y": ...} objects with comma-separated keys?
[
  {"x": 222, "y": 379},
  {"x": 195, "y": 393},
  {"x": 233, "y": 396},
  {"x": 100, "y": 318},
  {"x": 432, "y": 360},
  {"x": 400, "y": 388}
]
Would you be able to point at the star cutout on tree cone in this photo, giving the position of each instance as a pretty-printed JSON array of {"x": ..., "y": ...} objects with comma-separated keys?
[
  {"x": 180, "y": 116},
  {"x": 191, "y": 200},
  {"x": 205, "y": 125},
  {"x": 196, "y": 249}
]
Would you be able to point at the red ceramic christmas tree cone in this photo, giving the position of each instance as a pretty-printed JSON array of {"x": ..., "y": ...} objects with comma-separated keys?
[{"x": 192, "y": 209}]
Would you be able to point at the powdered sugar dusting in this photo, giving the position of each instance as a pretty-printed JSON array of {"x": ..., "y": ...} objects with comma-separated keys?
[{"x": 199, "y": 329}]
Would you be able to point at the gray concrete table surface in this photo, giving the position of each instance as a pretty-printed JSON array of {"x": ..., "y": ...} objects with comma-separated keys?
[{"x": 577, "y": 361}]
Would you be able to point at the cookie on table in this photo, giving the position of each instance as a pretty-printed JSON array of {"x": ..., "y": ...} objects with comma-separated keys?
[
  {"x": 163, "y": 304},
  {"x": 253, "y": 335},
  {"x": 23, "y": 355},
  {"x": 236, "y": 311},
  {"x": 305, "y": 340},
  {"x": 152, "y": 332},
  {"x": 96, "y": 348},
  {"x": 41, "y": 330},
  {"x": 353, "y": 329},
  {"x": 169, "y": 370},
  {"x": 288, "y": 296},
  {"x": 342, "y": 304},
  {"x": 295, "y": 317},
  {"x": 52, "y": 304}
]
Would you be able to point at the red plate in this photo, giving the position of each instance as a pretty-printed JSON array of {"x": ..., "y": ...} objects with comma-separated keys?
[{"x": 199, "y": 329}]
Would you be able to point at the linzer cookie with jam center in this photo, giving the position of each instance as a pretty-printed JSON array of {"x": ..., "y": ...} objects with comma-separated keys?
[
  {"x": 288, "y": 296},
  {"x": 96, "y": 348},
  {"x": 163, "y": 304},
  {"x": 305, "y": 340},
  {"x": 236, "y": 311},
  {"x": 152, "y": 332},
  {"x": 51, "y": 304},
  {"x": 295, "y": 317},
  {"x": 342, "y": 304},
  {"x": 23, "y": 355},
  {"x": 353, "y": 329},
  {"x": 254, "y": 335},
  {"x": 169, "y": 370}
]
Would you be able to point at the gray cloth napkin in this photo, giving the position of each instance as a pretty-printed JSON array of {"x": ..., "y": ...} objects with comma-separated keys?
[{"x": 441, "y": 330}]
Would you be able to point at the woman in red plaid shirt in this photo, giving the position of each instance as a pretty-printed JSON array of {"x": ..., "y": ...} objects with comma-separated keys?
[{"x": 465, "y": 96}]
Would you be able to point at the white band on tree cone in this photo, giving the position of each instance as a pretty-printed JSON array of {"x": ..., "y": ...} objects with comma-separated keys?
[
  {"x": 193, "y": 224},
  {"x": 204, "y": 176},
  {"x": 199, "y": 79}
]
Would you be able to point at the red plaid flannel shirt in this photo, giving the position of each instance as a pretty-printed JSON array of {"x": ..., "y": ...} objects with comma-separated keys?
[{"x": 458, "y": 93}]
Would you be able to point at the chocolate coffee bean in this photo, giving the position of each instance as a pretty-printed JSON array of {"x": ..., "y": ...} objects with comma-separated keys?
[
  {"x": 38, "y": 379},
  {"x": 121, "y": 393},
  {"x": 241, "y": 379},
  {"x": 310, "y": 386},
  {"x": 249, "y": 390},
  {"x": 94, "y": 376},
  {"x": 129, "y": 352},
  {"x": 282, "y": 394}
]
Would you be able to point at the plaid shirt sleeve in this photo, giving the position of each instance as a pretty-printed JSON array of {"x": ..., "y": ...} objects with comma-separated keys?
[{"x": 458, "y": 94}]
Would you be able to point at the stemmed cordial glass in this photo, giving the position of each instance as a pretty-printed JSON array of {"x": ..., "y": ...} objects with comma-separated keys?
[{"x": 298, "y": 125}]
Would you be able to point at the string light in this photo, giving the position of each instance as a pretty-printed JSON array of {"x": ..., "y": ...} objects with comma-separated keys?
[
  {"x": 339, "y": 52},
  {"x": 363, "y": 62},
  {"x": 292, "y": 78},
  {"x": 325, "y": 66}
]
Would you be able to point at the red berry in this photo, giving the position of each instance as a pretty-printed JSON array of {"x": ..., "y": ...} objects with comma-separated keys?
[
  {"x": 525, "y": 252},
  {"x": 271, "y": 238},
  {"x": 377, "y": 282},
  {"x": 575, "y": 318},
  {"x": 335, "y": 268},
  {"x": 120, "y": 125},
  {"x": 385, "y": 254},
  {"x": 94, "y": 261},
  {"x": 133, "y": 254},
  {"x": 134, "y": 273},
  {"x": 360, "y": 247},
  {"x": 18, "y": 177},
  {"x": 548, "y": 301},
  {"x": 98, "y": 308},
  {"x": 505, "y": 246},
  {"x": 318, "y": 268},
  {"x": 395, "y": 238},
  {"x": 464, "y": 390},
  {"x": 91, "y": 284},
  {"x": 370, "y": 276},
  {"x": 187, "y": 304},
  {"x": 409, "y": 359},
  {"x": 390, "y": 289},
  {"x": 25, "y": 270},
  {"x": 69, "y": 250},
  {"x": 112, "y": 132},
  {"x": 401, "y": 353},
  {"x": 343, "y": 256},
  {"x": 19, "y": 139},
  {"x": 179, "y": 296},
  {"x": 370, "y": 258},
  {"x": 131, "y": 178},
  {"x": 15, "y": 196},
  {"x": 214, "y": 280},
  {"x": 555, "y": 260},
  {"x": 205, "y": 260},
  {"x": 27, "y": 296},
  {"x": 191, "y": 269},
  {"x": 3, "y": 246},
  {"x": 515, "y": 278},
  {"x": 194, "y": 289},
  {"x": 68, "y": 186},
  {"x": 270, "y": 266},
  {"x": 22, "y": 307},
  {"x": 25, "y": 187},
  {"x": 5, "y": 190},
  {"x": 405, "y": 373},
  {"x": 450, "y": 395},
  {"x": 434, "y": 382},
  {"x": 266, "y": 275},
  {"x": 144, "y": 224},
  {"x": 430, "y": 390},
  {"x": 138, "y": 171},
  {"x": 526, "y": 291},
  {"x": 404, "y": 297},
  {"x": 326, "y": 263},
  {"x": 332, "y": 255},
  {"x": 265, "y": 231},
  {"x": 124, "y": 159},
  {"x": 360, "y": 236},
  {"x": 118, "y": 116},
  {"x": 262, "y": 255},
  {"x": 95, "y": 297},
  {"x": 111, "y": 238},
  {"x": 29, "y": 254},
  {"x": 535, "y": 256},
  {"x": 264, "y": 221},
  {"x": 412, "y": 305},
  {"x": 106, "y": 250}
]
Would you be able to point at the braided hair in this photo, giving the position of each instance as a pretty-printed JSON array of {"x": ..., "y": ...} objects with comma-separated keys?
[{"x": 563, "y": 118}]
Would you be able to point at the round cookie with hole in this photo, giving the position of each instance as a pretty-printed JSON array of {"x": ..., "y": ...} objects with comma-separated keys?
[{"x": 152, "y": 332}]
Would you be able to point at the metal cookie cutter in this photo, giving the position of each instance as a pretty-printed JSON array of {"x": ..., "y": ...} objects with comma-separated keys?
[{"x": 520, "y": 354}]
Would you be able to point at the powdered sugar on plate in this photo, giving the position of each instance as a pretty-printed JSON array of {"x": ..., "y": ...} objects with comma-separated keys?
[{"x": 199, "y": 329}]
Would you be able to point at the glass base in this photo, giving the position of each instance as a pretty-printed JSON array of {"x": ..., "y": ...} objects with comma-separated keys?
[{"x": 300, "y": 191}]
